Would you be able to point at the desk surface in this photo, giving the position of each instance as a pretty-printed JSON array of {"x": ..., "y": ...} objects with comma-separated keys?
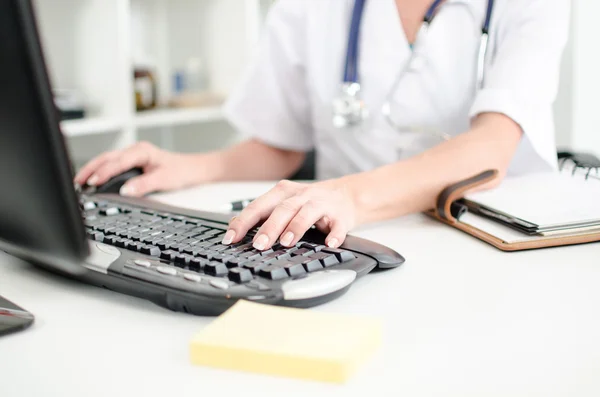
[{"x": 460, "y": 319}]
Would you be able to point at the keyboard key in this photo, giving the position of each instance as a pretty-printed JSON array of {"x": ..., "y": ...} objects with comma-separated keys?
[
  {"x": 325, "y": 259},
  {"x": 312, "y": 265},
  {"x": 273, "y": 256},
  {"x": 130, "y": 245},
  {"x": 109, "y": 239},
  {"x": 190, "y": 251},
  {"x": 241, "y": 247},
  {"x": 142, "y": 263},
  {"x": 88, "y": 205},
  {"x": 109, "y": 211},
  {"x": 167, "y": 270},
  {"x": 341, "y": 255},
  {"x": 97, "y": 236},
  {"x": 182, "y": 260},
  {"x": 303, "y": 251},
  {"x": 240, "y": 275},
  {"x": 192, "y": 277},
  {"x": 222, "y": 257},
  {"x": 216, "y": 240},
  {"x": 219, "y": 247},
  {"x": 216, "y": 269},
  {"x": 169, "y": 255},
  {"x": 214, "y": 232},
  {"x": 273, "y": 272},
  {"x": 165, "y": 245},
  {"x": 254, "y": 266},
  {"x": 138, "y": 246},
  {"x": 251, "y": 255},
  {"x": 197, "y": 264},
  {"x": 267, "y": 252},
  {"x": 120, "y": 242},
  {"x": 206, "y": 254},
  {"x": 150, "y": 250},
  {"x": 311, "y": 246},
  {"x": 303, "y": 260},
  {"x": 293, "y": 269},
  {"x": 179, "y": 247},
  {"x": 235, "y": 262}
]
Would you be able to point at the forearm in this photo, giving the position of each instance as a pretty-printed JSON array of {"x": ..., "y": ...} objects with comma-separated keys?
[
  {"x": 253, "y": 160},
  {"x": 413, "y": 185}
]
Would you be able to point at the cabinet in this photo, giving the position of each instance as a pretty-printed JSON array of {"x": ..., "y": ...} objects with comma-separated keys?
[{"x": 93, "y": 46}]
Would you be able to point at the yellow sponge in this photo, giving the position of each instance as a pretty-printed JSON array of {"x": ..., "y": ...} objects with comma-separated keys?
[{"x": 288, "y": 342}]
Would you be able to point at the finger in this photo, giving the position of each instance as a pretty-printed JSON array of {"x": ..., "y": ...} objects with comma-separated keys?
[
  {"x": 143, "y": 184},
  {"x": 135, "y": 156},
  {"x": 84, "y": 174},
  {"x": 323, "y": 224},
  {"x": 310, "y": 213},
  {"x": 277, "y": 222},
  {"x": 337, "y": 235},
  {"x": 258, "y": 210}
]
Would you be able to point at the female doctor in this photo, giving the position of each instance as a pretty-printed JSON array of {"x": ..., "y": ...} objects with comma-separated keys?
[{"x": 399, "y": 98}]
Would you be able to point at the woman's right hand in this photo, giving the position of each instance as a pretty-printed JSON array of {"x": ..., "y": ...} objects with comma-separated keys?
[{"x": 163, "y": 170}]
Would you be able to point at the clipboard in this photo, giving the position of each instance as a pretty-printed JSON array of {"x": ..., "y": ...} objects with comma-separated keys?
[{"x": 495, "y": 233}]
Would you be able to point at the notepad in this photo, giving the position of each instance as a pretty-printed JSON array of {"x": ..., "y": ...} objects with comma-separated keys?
[
  {"x": 548, "y": 201},
  {"x": 297, "y": 343}
]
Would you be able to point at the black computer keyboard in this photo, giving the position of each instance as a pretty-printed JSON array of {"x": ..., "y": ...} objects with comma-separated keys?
[{"x": 184, "y": 253}]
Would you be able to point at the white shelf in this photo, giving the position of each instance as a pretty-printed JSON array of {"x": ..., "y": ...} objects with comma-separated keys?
[
  {"x": 90, "y": 126},
  {"x": 174, "y": 117}
]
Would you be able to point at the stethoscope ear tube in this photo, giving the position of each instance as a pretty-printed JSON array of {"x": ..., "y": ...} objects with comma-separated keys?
[
  {"x": 349, "y": 109},
  {"x": 351, "y": 67}
]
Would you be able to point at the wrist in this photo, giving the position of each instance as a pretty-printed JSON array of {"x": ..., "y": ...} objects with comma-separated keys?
[
  {"x": 203, "y": 167},
  {"x": 361, "y": 196}
]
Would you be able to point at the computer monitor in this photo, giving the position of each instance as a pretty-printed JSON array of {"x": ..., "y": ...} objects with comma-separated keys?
[{"x": 40, "y": 220}]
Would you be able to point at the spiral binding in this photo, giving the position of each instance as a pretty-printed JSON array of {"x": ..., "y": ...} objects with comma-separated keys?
[{"x": 586, "y": 162}]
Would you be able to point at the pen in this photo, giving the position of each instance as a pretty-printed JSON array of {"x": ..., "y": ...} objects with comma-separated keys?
[{"x": 239, "y": 205}]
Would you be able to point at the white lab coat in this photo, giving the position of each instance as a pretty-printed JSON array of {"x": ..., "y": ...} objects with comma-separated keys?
[{"x": 285, "y": 99}]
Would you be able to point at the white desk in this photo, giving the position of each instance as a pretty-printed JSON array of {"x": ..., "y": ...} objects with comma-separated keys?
[{"x": 461, "y": 319}]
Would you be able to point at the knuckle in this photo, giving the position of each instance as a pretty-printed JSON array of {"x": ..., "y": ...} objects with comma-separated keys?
[
  {"x": 238, "y": 223},
  {"x": 144, "y": 146},
  {"x": 290, "y": 205},
  {"x": 283, "y": 185},
  {"x": 312, "y": 205}
]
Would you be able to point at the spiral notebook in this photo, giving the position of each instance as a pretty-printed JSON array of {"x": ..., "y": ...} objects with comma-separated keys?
[{"x": 532, "y": 211}]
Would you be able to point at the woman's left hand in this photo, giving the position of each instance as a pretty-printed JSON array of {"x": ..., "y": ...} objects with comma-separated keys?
[{"x": 290, "y": 209}]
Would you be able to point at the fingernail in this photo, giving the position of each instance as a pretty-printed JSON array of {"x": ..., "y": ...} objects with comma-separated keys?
[
  {"x": 333, "y": 243},
  {"x": 229, "y": 236},
  {"x": 93, "y": 180},
  {"x": 261, "y": 242},
  {"x": 126, "y": 190},
  {"x": 287, "y": 238}
]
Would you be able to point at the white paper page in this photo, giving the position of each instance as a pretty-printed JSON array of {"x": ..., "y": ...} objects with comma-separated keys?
[{"x": 545, "y": 199}]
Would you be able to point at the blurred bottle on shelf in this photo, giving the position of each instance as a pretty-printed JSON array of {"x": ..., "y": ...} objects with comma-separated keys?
[
  {"x": 144, "y": 83},
  {"x": 190, "y": 86}
]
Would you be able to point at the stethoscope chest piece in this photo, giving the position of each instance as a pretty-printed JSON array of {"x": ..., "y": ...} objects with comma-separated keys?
[{"x": 348, "y": 108}]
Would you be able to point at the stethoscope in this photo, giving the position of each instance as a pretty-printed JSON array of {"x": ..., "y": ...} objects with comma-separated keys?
[{"x": 349, "y": 109}]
